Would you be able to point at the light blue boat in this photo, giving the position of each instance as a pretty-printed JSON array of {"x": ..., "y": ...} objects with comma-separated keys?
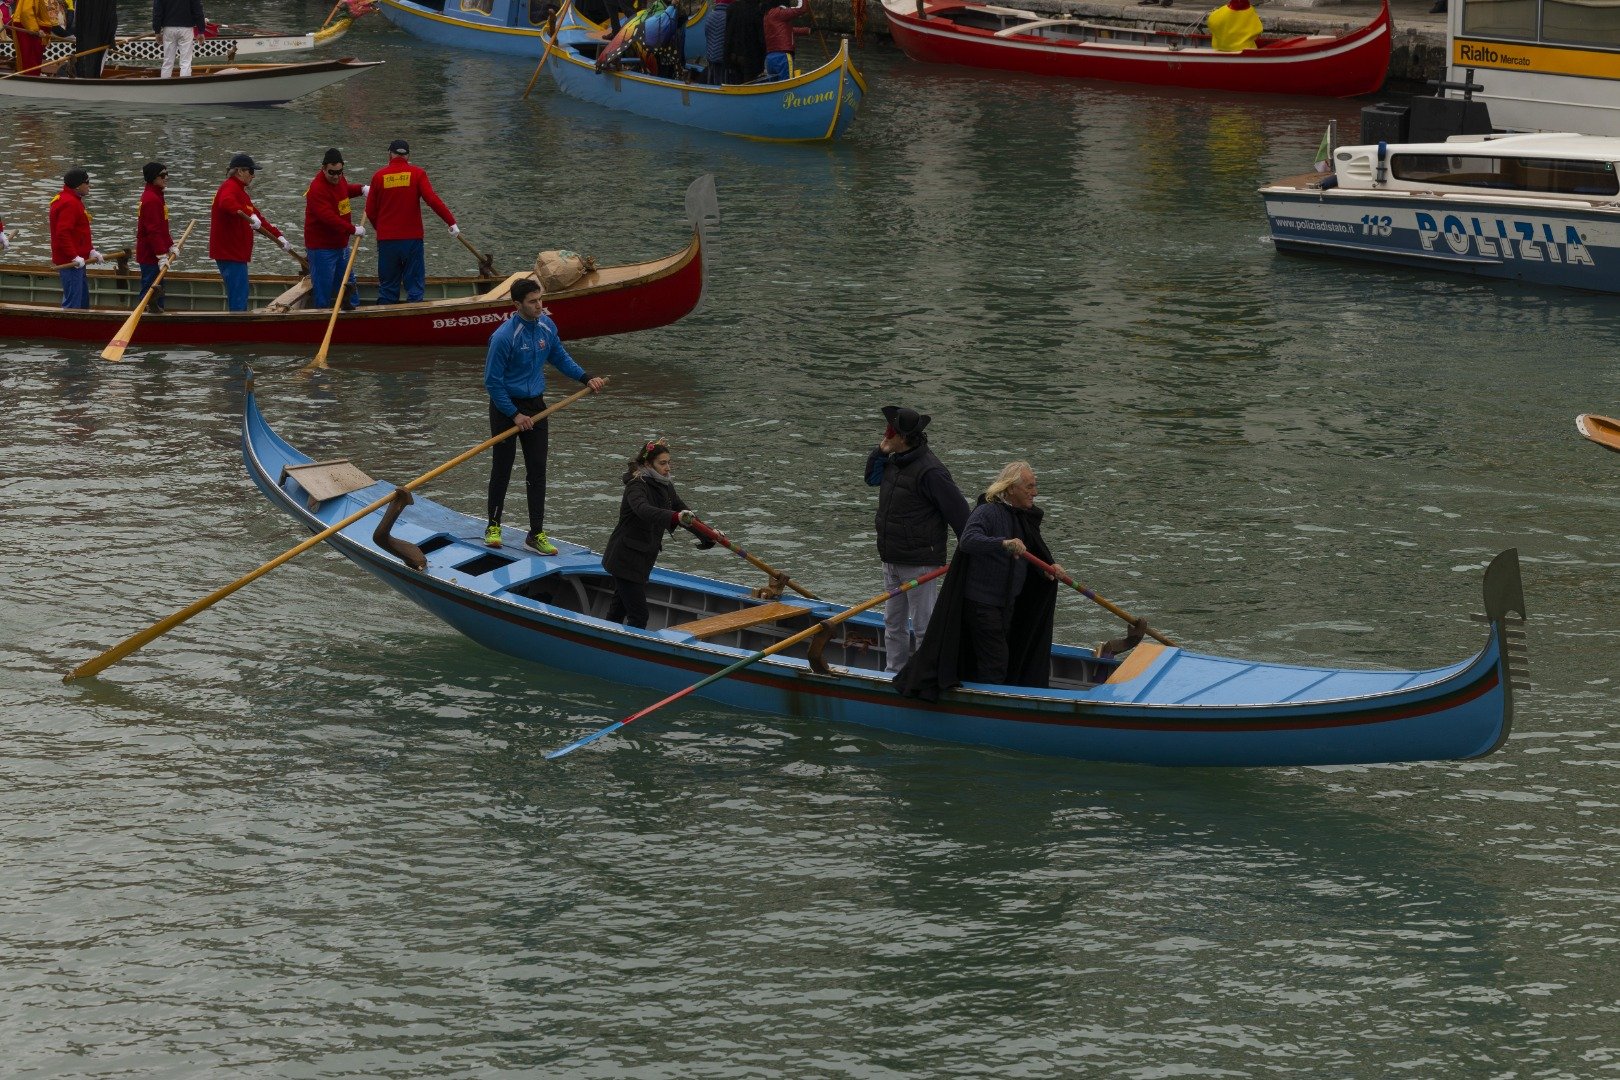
[
  {"x": 1159, "y": 705},
  {"x": 513, "y": 27},
  {"x": 812, "y": 107}
]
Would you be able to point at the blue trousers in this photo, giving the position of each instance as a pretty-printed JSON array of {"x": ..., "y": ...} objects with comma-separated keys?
[
  {"x": 397, "y": 261},
  {"x": 149, "y": 273},
  {"x": 75, "y": 287},
  {"x": 779, "y": 66},
  {"x": 326, "y": 273},
  {"x": 236, "y": 284}
]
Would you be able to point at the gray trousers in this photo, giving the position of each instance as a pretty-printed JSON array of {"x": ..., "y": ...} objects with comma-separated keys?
[{"x": 906, "y": 615}]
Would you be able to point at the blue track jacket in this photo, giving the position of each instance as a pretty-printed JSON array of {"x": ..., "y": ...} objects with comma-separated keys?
[{"x": 515, "y": 366}]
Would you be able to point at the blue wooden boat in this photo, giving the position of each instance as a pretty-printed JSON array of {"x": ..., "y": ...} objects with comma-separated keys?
[
  {"x": 513, "y": 27},
  {"x": 812, "y": 107},
  {"x": 1159, "y": 705}
]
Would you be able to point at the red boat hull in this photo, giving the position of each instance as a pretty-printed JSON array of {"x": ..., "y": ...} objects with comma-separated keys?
[
  {"x": 625, "y": 301},
  {"x": 1353, "y": 64}
]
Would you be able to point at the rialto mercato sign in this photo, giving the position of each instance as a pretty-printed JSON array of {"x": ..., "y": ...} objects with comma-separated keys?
[{"x": 1541, "y": 59}]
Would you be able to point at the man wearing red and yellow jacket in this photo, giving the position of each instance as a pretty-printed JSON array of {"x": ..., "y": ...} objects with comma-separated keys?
[
  {"x": 70, "y": 238},
  {"x": 328, "y": 227},
  {"x": 231, "y": 225},
  {"x": 394, "y": 207},
  {"x": 152, "y": 239}
]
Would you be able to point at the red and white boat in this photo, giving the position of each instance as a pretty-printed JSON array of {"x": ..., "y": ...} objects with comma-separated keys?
[
  {"x": 1010, "y": 39},
  {"x": 455, "y": 312}
]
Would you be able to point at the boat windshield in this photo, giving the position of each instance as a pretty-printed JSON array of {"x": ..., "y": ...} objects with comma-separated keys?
[{"x": 1551, "y": 175}]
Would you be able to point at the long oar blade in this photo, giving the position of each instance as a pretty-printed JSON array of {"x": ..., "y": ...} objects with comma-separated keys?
[
  {"x": 120, "y": 341},
  {"x": 163, "y": 626},
  {"x": 337, "y": 306},
  {"x": 785, "y": 643}
]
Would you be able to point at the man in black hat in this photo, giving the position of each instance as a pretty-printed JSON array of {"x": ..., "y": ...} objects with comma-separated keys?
[
  {"x": 394, "y": 208},
  {"x": 328, "y": 228},
  {"x": 916, "y": 500},
  {"x": 153, "y": 241},
  {"x": 232, "y": 221},
  {"x": 71, "y": 247}
]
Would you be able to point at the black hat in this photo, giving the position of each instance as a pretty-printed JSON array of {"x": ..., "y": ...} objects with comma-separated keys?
[
  {"x": 74, "y": 177},
  {"x": 399, "y": 146},
  {"x": 905, "y": 421},
  {"x": 153, "y": 170},
  {"x": 242, "y": 161},
  {"x": 334, "y": 156}
]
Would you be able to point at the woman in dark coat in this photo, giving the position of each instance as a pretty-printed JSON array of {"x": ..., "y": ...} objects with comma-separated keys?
[{"x": 650, "y": 508}]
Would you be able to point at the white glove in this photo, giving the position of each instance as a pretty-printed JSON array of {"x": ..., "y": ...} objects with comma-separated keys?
[
  {"x": 253, "y": 220},
  {"x": 455, "y": 230},
  {"x": 359, "y": 230},
  {"x": 5, "y": 241},
  {"x": 286, "y": 245},
  {"x": 687, "y": 517},
  {"x": 78, "y": 262},
  {"x": 365, "y": 190},
  {"x": 96, "y": 256},
  {"x": 165, "y": 259}
]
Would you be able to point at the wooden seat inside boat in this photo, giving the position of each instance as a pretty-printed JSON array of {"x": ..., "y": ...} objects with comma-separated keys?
[
  {"x": 1140, "y": 660},
  {"x": 741, "y": 619}
]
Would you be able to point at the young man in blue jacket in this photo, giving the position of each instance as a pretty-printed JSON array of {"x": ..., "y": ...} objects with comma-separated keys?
[{"x": 515, "y": 376}]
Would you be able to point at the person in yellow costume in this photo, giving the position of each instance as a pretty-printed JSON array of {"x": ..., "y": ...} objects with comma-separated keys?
[{"x": 1234, "y": 26}]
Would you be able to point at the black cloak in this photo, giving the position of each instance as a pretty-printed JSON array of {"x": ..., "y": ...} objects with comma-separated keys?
[
  {"x": 96, "y": 24},
  {"x": 945, "y": 657},
  {"x": 745, "y": 41}
]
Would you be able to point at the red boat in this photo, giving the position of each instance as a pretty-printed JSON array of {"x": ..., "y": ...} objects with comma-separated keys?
[
  {"x": 1008, "y": 39},
  {"x": 456, "y": 312}
]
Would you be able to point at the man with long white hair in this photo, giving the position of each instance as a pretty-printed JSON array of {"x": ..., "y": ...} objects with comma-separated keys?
[{"x": 993, "y": 620}]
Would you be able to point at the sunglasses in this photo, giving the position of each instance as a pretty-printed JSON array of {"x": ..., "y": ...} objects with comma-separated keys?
[{"x": 334, "y": 169}]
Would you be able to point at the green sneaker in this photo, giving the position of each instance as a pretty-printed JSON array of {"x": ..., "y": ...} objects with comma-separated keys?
[
  {"x": 537, "y": 541},
  {"x": 492, "y": 536}
]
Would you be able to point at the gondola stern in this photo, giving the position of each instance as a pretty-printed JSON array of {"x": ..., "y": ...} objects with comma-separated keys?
[{"x": 1505, "y": 613}]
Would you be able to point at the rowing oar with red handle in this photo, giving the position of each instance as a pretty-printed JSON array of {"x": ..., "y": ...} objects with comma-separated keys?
[
  {"x": 1100, "y": 601},
  {"x": 785, "y": 643},
  {"x": 778, "y": 578}
]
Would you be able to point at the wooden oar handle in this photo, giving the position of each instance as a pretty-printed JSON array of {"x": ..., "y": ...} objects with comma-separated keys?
[
  {"x": 724, "y": 541},
  {"x": 1100, "y": 601}
]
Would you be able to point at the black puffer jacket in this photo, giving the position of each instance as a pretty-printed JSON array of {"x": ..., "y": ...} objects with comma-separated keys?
[{"x": 646, "y": 514}]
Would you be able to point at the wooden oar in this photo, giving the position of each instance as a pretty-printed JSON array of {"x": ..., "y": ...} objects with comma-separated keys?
[
  {"x": 303, "y": 263},
  {"x": 163, "y": 626},
  {"x": 545, "y": 53},
  {"x": 337, "y": 306},
  {"x": 330, "y": 15},
  {"x": 1600, "y": 429},
  {"x": 724, "y": 541},
  {"x": 486, "y": 263},
  {"x": 785, "y": 643},
  {"x": 1100, "y": 601},
  {"x": 120, "y": 341},
  {"x": 48, "y": 63},
  {"x": 108, "y": 257}
]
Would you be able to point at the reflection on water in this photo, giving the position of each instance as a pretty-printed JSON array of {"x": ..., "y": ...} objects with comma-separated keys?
[{"x": 313, "y": 828}]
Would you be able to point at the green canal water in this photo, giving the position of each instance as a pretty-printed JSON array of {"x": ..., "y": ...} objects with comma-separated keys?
[{"x": 311, "y": 833}]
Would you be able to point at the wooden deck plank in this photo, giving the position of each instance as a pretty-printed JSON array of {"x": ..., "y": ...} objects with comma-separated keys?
[{"x": 741, "y": 619}]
